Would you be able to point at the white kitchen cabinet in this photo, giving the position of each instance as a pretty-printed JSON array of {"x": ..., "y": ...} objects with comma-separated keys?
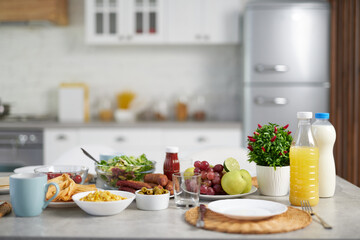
[
  {"x": 124, "y": 21},
  {"x": 121, "y": 138},
  {"x": 183, "y": 19},
  {"x": 57, "y": 141},
  {"x": 191, "y": 140},
  {"x": 162, "y": 21},
  {"x": 136, "y": 141},
  {"x": 221, "y": 21},
  {"x": 203, "y": 21}
]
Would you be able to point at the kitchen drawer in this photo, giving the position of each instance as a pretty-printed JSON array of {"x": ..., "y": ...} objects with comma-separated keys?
[
  {"x": 58, "y": 141},
  {"x": 120, "y": 139},
  {"x": 202, "y": 137}
]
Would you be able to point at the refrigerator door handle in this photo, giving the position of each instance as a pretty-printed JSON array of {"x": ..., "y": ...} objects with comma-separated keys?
[
  {"x": 271, "y": 68},
  {"x": 270, "y": 100}
]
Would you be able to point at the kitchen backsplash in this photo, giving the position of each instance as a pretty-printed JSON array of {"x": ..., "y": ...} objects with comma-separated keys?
[{"x": 35, "y": 59}]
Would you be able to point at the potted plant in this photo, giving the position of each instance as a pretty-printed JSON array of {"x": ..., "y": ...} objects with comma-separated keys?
[{"x": 269, "y": 149}]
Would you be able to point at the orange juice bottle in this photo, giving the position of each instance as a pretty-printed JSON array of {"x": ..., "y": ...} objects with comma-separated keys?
[{"x": 304, "y": 163}]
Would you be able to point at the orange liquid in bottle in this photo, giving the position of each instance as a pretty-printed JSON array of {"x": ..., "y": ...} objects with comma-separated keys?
[{"x": 304, "y": 175}]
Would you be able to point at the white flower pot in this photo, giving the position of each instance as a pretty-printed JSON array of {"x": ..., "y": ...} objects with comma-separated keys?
[{"x": 273, "y": 182}]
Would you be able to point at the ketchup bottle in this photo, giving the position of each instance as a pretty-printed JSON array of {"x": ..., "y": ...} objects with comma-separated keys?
[{"x": 171, "y": 164}]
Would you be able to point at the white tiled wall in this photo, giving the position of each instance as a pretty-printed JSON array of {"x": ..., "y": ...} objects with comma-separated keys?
[{"x": 36, "y": 58}]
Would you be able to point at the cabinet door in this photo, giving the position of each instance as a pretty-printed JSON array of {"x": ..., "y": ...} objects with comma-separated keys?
[
  {"x": 221, "y": 21},
  {"x": 203, "y": 21},
  {"x": 144, "y": 21},
  {"x": 58, "y": 141},
  {"x": 105, "y": 21},
  {"x": 190, "y": 140},
  {"x": 183, "y": 19}
]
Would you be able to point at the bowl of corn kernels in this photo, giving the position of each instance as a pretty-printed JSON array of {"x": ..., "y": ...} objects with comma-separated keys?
[{"x": 103, "y": 203}]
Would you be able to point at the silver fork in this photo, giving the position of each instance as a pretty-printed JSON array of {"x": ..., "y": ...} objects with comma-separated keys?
[{"x": 305, "y": 205}]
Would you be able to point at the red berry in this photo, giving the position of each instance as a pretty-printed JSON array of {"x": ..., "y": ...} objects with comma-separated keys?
[
  {"x": 210, "y": 191},
  {"x": 210, "y": 175},
  {"x": 77, "y": 179},
  {"x": 50, "y": 175},
  {"x": 216, "y": 180},
  {"x": 197, "y": 164},
  {"x": 203, "y": 175},
  {"x": 197, "y": 170},
  {"x": 217, "y": 188},
  {"x": 203, "y": 189},
  {"x": 204, "y": 165},
  {"x": 207, "y": 182},
  {"x": 218, "y": 168}
]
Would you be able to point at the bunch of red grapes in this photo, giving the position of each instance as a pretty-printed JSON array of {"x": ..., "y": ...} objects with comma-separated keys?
[{"x": 210, "y": 178}]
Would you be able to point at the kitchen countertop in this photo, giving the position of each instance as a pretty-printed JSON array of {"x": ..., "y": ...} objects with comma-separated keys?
[
  {"x": 341, "y": 211},
  {"x": 97, "y": 124}
]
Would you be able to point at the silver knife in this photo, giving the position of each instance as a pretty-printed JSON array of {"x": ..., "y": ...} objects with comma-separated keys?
[
  {"x": 200, "y": 222},
  {"x": 1, "y": 203}
]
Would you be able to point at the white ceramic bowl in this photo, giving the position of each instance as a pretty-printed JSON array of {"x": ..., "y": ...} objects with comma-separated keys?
[
  {"x": 152, "y": 202},
  {"x": 104, "y": 208}
]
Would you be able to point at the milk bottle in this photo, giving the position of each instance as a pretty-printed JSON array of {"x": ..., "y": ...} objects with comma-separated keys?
[{"x": 325, "y": 135}]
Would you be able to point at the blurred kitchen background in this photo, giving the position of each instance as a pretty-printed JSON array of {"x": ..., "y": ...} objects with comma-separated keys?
[
  {"x": 38, "y": 56},
  {"x": 192, "y": 73}
]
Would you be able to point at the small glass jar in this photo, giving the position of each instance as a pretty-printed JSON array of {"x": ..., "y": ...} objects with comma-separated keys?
[
  {"x": 160, "y": 110},
  {"x": 106, "y": 113},
  {"x": 198, "y": 108},
  {"x": 181, "y": 108}
]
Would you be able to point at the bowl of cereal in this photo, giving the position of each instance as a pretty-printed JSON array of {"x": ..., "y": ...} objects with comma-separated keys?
[
  {"x": 153, "y": 199},
  {"x": 103, "y": 203}
]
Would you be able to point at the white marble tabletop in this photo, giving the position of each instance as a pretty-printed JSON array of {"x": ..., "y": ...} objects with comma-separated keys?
[{"x": 341, "y": 211}]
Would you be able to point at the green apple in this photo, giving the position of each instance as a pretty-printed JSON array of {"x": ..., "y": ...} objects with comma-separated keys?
[
  {"x": 233, "y": 182},
  {"x": 189, "y": 172},
  {"x": 246, "y": 175}
]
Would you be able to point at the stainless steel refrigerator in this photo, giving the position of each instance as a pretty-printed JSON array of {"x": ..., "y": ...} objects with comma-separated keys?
[{"x": 286, "y": 64}]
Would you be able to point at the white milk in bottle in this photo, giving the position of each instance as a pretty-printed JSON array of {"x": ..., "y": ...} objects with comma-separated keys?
[{"x": 325, "y": 135}]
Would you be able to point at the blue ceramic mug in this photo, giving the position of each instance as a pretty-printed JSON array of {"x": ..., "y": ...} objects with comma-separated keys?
[{"x": 27, "y": 193}]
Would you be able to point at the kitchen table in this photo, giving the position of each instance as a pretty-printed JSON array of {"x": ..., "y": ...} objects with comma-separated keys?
[{"x": 341, "y": 211}]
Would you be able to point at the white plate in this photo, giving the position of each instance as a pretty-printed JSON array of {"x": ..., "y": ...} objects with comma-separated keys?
[
  {"x": 28, "y": 169},
  {"x": 247, "y": 209},
  {"x": 62, "y": 204},
  {"x": 217, "y": 197}
]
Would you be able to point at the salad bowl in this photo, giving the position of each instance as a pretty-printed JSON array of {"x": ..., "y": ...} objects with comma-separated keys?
[{"x": 123, "y": 168}]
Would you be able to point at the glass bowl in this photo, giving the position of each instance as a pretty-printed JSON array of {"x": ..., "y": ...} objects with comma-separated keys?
[
  {"x": 109, "y": 175},
  {"x": 77, "y": 173}
]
